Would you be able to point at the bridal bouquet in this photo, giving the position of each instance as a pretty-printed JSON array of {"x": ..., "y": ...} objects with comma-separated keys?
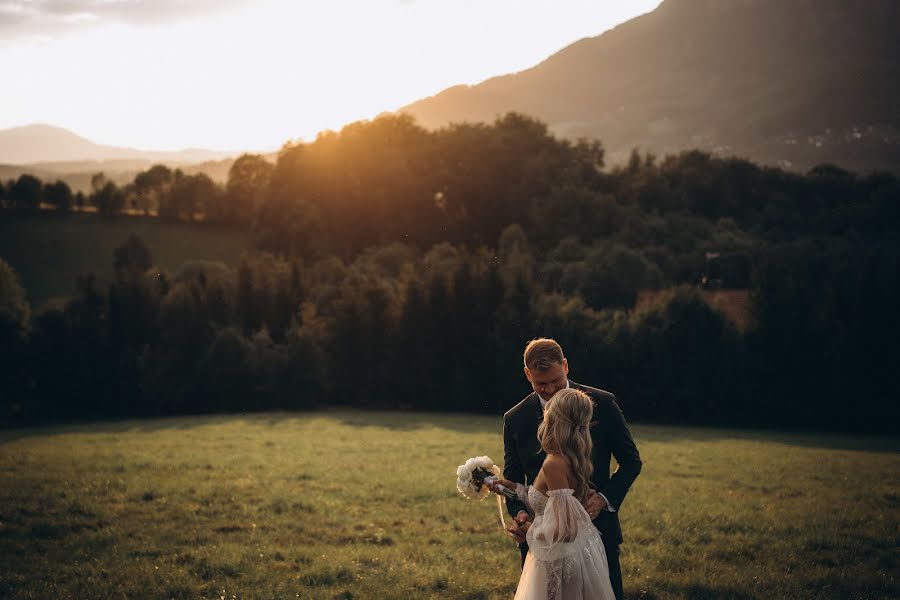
[{"x": 474, "y": 479}]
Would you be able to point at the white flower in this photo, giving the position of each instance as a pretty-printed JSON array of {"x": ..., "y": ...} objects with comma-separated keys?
[
  {"x": 467, "y": 489},
  {"x": 465, "y": 481},
  {"x": 484, "y": 462}
]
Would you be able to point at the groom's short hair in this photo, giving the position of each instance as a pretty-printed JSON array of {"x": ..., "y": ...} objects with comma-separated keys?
[{"x": 541, "y": 353}]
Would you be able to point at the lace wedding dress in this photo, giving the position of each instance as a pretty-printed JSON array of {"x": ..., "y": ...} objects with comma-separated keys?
[{"x": 566, "y": 559}]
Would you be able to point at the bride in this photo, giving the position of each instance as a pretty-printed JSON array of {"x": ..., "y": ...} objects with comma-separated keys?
[{"x": 566, "y": 559}]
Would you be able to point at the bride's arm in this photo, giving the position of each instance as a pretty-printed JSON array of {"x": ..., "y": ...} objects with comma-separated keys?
[
  {"x": 497, "y": 485},
  {"x": 521, "y": 492}
]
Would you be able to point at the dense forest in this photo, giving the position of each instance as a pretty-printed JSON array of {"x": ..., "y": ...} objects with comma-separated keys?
[{"x": 399, "y": 267}]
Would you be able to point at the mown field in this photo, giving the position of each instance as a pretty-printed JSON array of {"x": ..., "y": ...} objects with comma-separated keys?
[
  {"x": 363, "y": 505},
  {"x": 49, "y": 251}
]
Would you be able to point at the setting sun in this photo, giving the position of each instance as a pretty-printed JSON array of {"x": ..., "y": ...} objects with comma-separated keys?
[{"x": 253, "y": 75}]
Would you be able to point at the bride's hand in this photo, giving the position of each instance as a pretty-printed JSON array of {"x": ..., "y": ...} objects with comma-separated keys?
[
  {"x": 505, "y": 483},
  {"x": 519, "y": 526}
]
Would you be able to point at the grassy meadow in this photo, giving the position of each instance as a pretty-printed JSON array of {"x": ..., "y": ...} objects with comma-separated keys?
[
  {"x": 363, "y": 505},
  {"x": 49, "y": 251}
]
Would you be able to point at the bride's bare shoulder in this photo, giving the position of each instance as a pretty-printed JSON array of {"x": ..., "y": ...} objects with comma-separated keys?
[
  {"x": 555, "y": 461},
  {"x": 556, "y": 471}
]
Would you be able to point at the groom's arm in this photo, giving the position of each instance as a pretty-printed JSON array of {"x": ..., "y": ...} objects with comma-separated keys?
[
  {"x": 512, "y": 465},
  {"x": 625, "y": 452}
]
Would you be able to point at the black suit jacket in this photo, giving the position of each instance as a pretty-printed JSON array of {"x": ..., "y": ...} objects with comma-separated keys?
[{"x": 523, "y": 456}]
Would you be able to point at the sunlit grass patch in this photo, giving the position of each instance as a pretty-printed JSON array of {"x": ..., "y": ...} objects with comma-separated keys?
[{"x": 363, "y": 505}]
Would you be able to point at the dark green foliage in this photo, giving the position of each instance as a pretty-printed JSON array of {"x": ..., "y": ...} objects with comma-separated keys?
[
  {"x": 26, "y": 193},
  {"x": 14, "y": 309},
  {"x": 613, "y": 277},
  {"x": 190, "y": 197},
  {"x": 390, "y": 180},
  {"x": 132, "y": 258},
  {"x": 151, "y": 186},
  {"x": 14, "y": 325},
  {"x": 58, "y": 195},
  {"x": 248, "y": 177},
  {"x": 226, "y": 371},
  {"x": 407, "y": 268},
  {"x": 827, "y": 330},
  {"x": 686, "y": 359},
  {"x": 109, "y": 199}
]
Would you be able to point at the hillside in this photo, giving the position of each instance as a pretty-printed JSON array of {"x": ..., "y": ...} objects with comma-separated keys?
[
  {"x": 50, "y": 251},
  {"x": 787, "y": 83},
  {"x": 47, "y": 144},
  {"x": 50, "y": 153}
]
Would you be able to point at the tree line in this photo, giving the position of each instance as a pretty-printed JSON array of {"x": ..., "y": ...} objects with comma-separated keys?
[
  {"x": 405, "y": 268},
  {"x": 160, "y": 191}
]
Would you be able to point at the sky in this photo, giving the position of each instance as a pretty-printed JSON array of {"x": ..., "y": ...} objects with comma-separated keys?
[{"x": 252, "y": 74}]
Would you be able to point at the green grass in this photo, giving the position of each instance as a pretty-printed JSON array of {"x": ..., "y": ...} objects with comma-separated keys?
[
  {"x": 363, "y": 505},
  {"x": 49, "y": 251}
]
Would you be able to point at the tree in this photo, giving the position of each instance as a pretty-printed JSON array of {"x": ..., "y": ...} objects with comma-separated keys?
[
  {"x": 109, "y": 199},
  {"x": 688, "y": 358},
  {"x": 225, "y": 371},
  {"x": 185, "y": 333},
  {"x": 26, "y": 192},
  {"x": 14, "y": 321},
  {"x": 59, "y": 195},
  {"x": 14, "y": 309},
  {"x": 151, "y": 185},
  {"x": 247, "y": 178},
  {"x": 132, "y": 258},
  {"x": 98, "y": 180},
  {"x": 613, "y": 277},
  {"x": 191, "y": 195},
  {"x": 246, "y": 301}
]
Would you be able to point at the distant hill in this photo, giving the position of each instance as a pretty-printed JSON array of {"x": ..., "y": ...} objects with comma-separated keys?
[
  {"x": 45, "y": 143},
  {"x": 792, "y": 83},
  {"x": 52, "y": 153}
]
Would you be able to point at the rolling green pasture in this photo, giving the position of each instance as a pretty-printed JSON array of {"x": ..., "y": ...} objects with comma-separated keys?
[
  {"x": 363, "y": 505},
  {"x": 49, "y": 251}
]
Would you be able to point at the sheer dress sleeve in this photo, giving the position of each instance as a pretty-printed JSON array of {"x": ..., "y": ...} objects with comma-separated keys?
[{"x": 554, "y": 535}]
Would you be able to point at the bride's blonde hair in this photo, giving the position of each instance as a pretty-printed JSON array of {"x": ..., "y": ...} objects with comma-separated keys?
[{"x": 564, "y": 430}]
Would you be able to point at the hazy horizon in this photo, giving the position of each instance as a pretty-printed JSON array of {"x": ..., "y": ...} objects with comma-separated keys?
[{"x": 238, "y": 75}]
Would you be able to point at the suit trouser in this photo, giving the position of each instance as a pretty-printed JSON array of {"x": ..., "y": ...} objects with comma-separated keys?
[{"x": 612, "y": 561}]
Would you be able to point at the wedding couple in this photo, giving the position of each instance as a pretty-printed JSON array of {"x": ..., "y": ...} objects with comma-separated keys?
[{"x": 557, "y": 445}]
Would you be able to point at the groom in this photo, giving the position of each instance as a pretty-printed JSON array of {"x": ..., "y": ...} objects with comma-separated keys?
[{"x": 547, "y": 370}]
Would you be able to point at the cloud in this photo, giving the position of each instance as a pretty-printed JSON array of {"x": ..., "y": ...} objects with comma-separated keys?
[{"x": 30, "y": 18}]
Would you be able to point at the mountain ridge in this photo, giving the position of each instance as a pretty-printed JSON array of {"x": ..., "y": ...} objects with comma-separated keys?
[
  {"x": 792, "y": 83},
  {"x": 40, "y": 143}
]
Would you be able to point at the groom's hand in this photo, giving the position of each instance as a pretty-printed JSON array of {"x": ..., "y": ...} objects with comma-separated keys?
[
  {"x": 594, "y": 505},
  {"x": 519, "y": 527}
]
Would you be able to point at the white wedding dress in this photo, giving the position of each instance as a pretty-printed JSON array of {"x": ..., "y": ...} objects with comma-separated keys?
[{"x": 566, "y": 559}]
